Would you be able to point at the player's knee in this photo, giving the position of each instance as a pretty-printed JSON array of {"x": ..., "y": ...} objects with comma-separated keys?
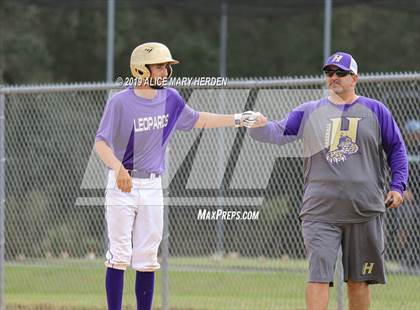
[
  {"x": 145, "y": 259},
  {"x": 119, "y": 256},
  {"x": 152, "y": 241},
  {"x": 157, "y": 237},
  {"x": 147, "y": 254},
  {"x": 117, "y": 260}
]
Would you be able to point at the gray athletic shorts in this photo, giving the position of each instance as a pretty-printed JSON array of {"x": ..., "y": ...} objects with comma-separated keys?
[{"x": 362, "y": 245}]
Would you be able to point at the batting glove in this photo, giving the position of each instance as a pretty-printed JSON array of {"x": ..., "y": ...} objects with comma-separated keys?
[{"x": 249, "y": 118}]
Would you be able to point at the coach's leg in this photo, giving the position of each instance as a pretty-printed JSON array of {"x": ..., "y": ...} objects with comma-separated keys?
[
  {"x": 359, "y": 295},
  {"x": 317, "y": 296},
  {"x": 364, "y": 248},
  {"x": 145, "y": 283},
  {"x": 322, "y": 243}
]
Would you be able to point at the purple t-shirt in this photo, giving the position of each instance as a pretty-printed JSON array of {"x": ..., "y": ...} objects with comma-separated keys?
[
  {"x": 138, "y": 129},
  {"x": 343, "y": 145}
]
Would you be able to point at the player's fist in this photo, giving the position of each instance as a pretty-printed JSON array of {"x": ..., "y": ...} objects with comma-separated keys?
[
  {"x": 249, "y": 118},
  {"x": 393, "y": 199},
  {"x": 124, "y": 182}
]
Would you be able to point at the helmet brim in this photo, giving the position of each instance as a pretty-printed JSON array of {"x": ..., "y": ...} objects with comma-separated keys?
[{"x": 161, "y": 61}]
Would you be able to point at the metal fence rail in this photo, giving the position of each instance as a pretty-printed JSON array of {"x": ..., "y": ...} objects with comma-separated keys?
[{"x": 53, "y": 217}]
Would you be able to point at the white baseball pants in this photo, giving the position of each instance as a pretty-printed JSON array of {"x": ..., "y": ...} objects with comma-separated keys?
[{"x": 134, "y": 224}]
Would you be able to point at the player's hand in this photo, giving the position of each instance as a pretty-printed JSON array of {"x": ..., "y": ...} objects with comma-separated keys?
[
  {"x": 249, "y": 118},
  {"x": 393, "y": 199},
  {"x": 124, "y": 182}
]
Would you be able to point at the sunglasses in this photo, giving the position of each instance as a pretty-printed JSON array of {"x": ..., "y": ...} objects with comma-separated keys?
[{"x": 339, "y": 73}]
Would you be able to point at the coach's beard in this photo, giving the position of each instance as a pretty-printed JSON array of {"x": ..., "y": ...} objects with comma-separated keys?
[{"x": 337, "y": 89}]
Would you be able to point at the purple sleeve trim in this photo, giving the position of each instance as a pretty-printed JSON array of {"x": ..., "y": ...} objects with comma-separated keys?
[
  {"x": 393, "y": 145},
  {"x": 293, "y": 123}
]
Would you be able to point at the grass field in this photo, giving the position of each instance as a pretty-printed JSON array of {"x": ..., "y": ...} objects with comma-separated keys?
[{"x": 195, "y": 283}]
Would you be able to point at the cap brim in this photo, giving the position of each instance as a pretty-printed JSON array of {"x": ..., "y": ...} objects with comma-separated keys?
[{"x": 338, "y": 66}]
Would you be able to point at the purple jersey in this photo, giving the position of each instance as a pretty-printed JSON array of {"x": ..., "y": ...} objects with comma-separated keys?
[
  {"x": 138, "y": 129},
  {"x": 343, "y": 157}
]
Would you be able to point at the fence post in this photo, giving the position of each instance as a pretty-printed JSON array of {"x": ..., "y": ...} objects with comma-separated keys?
[
  {"x": 165, "y": 239},
  {"x": 2, "y": 198}
]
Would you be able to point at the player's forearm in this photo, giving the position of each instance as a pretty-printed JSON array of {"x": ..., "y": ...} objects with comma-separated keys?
[
  {"x": 106, "y": 154},
  {"x": 211, "y": 120}
]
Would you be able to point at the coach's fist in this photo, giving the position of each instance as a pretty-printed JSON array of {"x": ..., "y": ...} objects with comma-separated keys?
[
  {"x": 124, "y": 182},
  {"x": 393, "y": 199},
  {"x": 261, "y": 121}
]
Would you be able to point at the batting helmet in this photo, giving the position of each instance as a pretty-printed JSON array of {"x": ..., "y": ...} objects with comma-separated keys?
[{"x": 148, "y": 54}]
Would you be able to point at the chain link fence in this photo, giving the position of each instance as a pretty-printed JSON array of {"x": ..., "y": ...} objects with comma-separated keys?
[{"x": 54, "y": 218}]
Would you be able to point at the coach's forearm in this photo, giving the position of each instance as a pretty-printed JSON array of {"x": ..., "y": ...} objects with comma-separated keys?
[
  {"x": 211, "y": 120},
  {"x": 266, "y": 134},
  {"x": 106, "y": 154}
]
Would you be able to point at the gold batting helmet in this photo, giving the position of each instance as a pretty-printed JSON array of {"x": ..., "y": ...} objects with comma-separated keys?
[{"x": 148, "y": 54}]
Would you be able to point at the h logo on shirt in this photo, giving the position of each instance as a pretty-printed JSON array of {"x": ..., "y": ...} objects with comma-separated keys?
[
  {"x": 337, "y": 58},
  {"x": 341, "y": 143}
]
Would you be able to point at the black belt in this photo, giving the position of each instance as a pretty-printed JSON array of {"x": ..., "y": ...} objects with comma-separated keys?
[{"x": 143, "y": 174}]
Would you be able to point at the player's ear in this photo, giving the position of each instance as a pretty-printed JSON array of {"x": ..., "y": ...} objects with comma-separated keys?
[
  {"x": 150, "y": 69},
  {"x": 169, "y": 70}
]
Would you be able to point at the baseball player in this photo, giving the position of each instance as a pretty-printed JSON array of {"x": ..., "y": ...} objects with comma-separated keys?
[
  {"x": 135, "y": 129},
  {"x": 344, "y": 137}
]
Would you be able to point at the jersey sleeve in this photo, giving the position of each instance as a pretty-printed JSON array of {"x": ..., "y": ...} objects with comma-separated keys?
[
  {"x": 186, "y": 116},
  {"x": 394, "y": 147},
  {"x": 283, "y": 131},
  {"x": 108, "y": 127}
]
